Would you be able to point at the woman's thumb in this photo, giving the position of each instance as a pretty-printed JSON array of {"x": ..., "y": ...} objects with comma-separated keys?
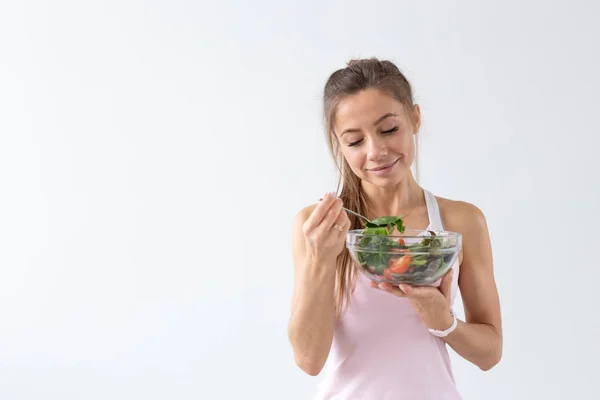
[{"x": 446, "y": 284}]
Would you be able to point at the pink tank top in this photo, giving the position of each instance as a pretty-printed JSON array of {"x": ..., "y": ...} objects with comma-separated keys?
[{"x": 382, "y": 350}]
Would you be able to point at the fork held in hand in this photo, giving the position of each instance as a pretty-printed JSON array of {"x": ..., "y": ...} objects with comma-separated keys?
[{"x": 354, "y": 213}]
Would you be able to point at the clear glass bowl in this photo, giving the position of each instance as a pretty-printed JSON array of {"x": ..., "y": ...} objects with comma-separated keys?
[{"x": 413, "y": 257}]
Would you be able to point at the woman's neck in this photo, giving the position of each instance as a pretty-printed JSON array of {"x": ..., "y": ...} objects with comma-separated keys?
[{"x": 399, "y": 199}]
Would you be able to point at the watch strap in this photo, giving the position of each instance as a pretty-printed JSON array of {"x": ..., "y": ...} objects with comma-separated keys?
[{"x": 445, "y": 332}]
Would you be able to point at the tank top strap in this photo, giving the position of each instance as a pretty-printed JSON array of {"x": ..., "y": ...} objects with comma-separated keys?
[{"x": 433, "y": 211}]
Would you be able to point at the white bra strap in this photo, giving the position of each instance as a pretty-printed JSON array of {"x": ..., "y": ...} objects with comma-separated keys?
[{"x": 433, "y": 211}]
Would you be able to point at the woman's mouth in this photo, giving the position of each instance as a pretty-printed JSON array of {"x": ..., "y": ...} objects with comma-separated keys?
[{"x": 383, "y": 169}]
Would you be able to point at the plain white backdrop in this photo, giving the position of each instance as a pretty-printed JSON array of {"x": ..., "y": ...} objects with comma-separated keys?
[{"x": 154, "y": 154}]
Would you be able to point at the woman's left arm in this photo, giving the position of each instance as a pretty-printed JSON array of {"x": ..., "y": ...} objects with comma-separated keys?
[{"x": 479, "y": 339}]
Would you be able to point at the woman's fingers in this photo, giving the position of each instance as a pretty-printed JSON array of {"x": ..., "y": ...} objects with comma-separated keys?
[
  {"x": 388, "y": 288},
  {"x": 320, "y": 212},
  {"x": 342, "y": 223},
  {"x": 332, "y": 215}
]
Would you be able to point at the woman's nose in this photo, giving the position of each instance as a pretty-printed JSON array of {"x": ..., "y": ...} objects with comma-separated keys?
[{"x": 377, "y": 150}]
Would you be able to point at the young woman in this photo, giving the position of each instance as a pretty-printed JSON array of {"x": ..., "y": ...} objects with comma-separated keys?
[{"x": 379, "y": 341}]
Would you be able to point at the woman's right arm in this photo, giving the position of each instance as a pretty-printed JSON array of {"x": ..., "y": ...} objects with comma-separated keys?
[{"x": 316, "y": 243}]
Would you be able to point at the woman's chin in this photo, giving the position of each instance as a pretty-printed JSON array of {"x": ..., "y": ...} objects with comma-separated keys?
[{"x": 388, "y": 181}]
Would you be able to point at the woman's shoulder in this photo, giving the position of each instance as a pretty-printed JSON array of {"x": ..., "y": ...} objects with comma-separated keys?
[
  {"x": 464, "y": 218},
  {"x": 461, "y": 216}
]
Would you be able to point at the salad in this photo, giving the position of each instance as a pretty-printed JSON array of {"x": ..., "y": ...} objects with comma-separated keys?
[{"x": 419, "y": 262}]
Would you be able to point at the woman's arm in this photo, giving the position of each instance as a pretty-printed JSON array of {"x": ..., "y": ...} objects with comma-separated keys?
[
  {"x": 479, "y": 339},
  {"x": 310, "y": 328}
]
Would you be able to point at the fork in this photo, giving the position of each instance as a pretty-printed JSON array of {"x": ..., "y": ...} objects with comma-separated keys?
[{"x": 354, "y": 213}]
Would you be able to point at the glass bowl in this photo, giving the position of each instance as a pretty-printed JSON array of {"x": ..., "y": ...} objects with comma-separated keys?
[{"x": 413, "y": 257}]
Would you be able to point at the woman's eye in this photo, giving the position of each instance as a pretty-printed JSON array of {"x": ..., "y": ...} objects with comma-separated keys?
[{"x": 388, "y": 132}]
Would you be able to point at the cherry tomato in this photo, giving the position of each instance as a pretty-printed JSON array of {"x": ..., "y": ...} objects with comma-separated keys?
[{"x": 400, "y": 265}]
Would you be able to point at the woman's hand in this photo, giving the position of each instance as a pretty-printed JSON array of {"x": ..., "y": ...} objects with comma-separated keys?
[
  {"x": 325, "y": 230},
  {"x": 431, "y": 303}
]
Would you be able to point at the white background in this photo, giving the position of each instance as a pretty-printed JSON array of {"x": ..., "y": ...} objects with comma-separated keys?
[{"x": 153, "y": 155}]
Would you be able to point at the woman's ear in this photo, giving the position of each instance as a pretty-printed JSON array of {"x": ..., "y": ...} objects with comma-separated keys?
[{"x": 416, "y": 118}]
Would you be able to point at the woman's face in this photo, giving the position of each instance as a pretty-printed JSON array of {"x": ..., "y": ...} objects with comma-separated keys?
[{"x": 375, "y": 133}]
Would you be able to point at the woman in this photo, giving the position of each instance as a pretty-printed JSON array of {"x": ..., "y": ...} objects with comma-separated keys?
[{"x": 379, "y": 341}]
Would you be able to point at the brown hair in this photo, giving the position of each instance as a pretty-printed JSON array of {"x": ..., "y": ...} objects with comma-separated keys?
[{"x": 358, "y": 75}]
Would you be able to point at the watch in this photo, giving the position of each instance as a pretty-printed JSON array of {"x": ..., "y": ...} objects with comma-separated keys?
[{"x": 445, "y": 332}]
